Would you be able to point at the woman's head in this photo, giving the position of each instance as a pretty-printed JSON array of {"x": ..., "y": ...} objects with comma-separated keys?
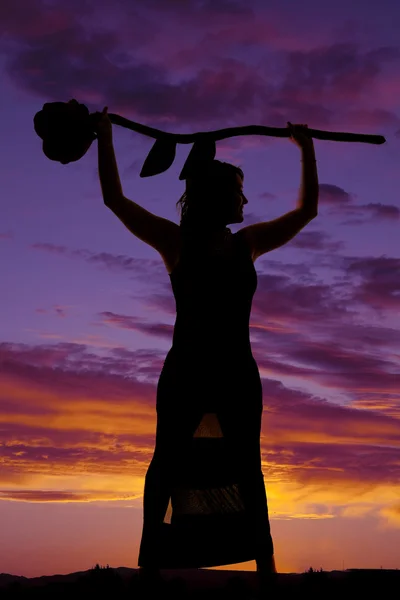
[{"x": 214, "y": 196}]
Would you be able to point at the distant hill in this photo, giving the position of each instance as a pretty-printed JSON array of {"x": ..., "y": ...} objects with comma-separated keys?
[
  {"x": 197, "y": 578},
  {"x": 5, "y": 579},
  {"x": 206, "y": 578}
]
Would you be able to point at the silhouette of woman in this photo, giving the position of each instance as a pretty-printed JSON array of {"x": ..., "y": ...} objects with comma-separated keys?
[{"x": 204, "y": 497}]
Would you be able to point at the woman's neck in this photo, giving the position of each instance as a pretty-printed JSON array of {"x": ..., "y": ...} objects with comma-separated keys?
[
  {"x": 207, "y": 229},
  {"x": 216, "y": 231}
]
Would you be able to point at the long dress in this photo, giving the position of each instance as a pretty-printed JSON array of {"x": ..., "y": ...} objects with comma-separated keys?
[{"x": 204, "y": 497}]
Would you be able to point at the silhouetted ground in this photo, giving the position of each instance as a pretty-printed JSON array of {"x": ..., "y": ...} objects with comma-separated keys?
[{"x": 202, "y": 583}]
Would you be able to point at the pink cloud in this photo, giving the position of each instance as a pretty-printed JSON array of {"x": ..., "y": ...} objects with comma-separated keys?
[
  {"x": 381, "y": 211},
  {"x": 335, "y": 195},
  {"x": 316, "y": 241},
  {"x": 73, "y": 358},
  {"x": 379, "y": 282},
  {"x": 59, "y": 311},
  {"x": 137, "y": 324},
  {"x": 343, "y": 204},
  {"x": 310, "y": 463}
]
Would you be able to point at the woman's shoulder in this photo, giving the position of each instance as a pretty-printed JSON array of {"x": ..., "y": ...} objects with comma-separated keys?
[{"x": 243, "y": 241}]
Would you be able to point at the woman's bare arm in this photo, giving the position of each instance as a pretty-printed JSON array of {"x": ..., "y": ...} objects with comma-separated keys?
[
  {"x": 266, "y": 236},
  {"x": 160, "y": 233},
  {"x": 108, "y": 170}
]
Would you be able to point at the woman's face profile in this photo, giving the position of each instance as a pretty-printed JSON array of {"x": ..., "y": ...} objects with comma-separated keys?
[{"x": 235, "y": 200}]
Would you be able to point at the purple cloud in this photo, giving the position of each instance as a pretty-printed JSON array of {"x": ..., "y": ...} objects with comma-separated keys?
[
  {"x": 333, "y": 194},
  {"x": 382, "y": 212},
  {"x": 377, "y": 282},
  {"x": 57, "y": 56},
  {"x": 112, "y": 262}
]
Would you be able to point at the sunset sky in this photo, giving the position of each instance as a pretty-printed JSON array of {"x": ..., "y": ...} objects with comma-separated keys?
[{"x": 87, "y": 310}]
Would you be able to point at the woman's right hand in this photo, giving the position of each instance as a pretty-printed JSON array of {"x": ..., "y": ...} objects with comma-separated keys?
[
  {"x": 103, "y": 127},
  {"x": 299, "y": 135}
]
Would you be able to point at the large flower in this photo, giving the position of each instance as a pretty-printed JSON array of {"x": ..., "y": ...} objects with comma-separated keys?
[{"x": 67, "y": 130}]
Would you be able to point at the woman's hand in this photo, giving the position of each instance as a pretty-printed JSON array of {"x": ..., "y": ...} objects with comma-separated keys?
[
  {"x": 299, "y": 135},
  {"x": 104, "y": 126}
]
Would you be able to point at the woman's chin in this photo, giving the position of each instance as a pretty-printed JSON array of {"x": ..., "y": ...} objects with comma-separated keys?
[{"x": 238, "y": 218}]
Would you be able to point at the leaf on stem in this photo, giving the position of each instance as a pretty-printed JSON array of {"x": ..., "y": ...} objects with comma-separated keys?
[
  {"x": 202, "y": 152},
  {"x": 160, "y": 157}
]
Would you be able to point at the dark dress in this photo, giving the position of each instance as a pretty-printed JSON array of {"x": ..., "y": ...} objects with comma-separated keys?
[{"x": 204, "y": 499}]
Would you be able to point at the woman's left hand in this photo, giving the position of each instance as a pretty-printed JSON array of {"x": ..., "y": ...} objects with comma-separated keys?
[{"x": 299, "y": 135}]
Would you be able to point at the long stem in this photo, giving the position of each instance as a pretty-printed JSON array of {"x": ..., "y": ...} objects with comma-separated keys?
[{"x": 222, "y": 134}]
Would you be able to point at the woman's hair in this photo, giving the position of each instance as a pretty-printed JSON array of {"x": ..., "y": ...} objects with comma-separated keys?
[{"x": 207, "y": 182}]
